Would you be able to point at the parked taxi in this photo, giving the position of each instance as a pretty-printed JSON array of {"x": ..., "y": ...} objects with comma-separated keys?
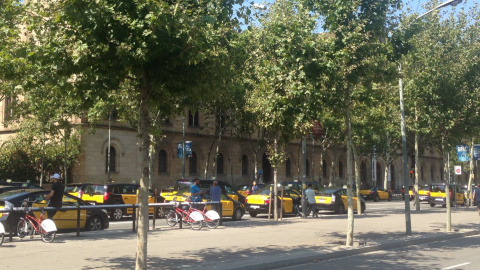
[
  {"x": 114, "y": 193},
  {"x": 91, "y": 219},
  {"x": 438, "y": 196},
  {"x": 335, "y": 199},
  {"x": 259, "y": 202},
  {"x": 375, "y": 193}
]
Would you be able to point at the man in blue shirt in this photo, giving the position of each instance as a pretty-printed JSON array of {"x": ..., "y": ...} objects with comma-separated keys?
[
  {"x": 196, "y": 194},
  {"x": 215, "y": 193}
]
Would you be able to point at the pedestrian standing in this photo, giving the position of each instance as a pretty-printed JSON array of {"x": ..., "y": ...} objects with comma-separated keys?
[
  {"x": 311, "y": 200},
  {"x": 254, "y": 187},
  {"x": 215, "y": 194},
  {"x": 55, "y": 196},
  {"x": 195, "y": 193},
  {"x": 476, "y": 197}
]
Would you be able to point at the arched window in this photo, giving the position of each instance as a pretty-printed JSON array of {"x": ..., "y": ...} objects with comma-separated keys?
[
  {"x": 220, "y": 164},
  {"x": 113, "y": 155},
  {"x": 192, "y": 165},
  {"x": 340, "y": 169},
  {"x": 245, "y": 166},
  {"x": 288, "y": 167},
  {"x": 162, "y": 161},
  {"x": 193, "y": 119}
]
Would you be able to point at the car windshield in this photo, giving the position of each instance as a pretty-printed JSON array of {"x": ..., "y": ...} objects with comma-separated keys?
[
  {"x": 12, "y": 193},
  {"x": 328, "y": 191},
  {"x": 423, "y": 188},
  {"x": 438, "y": 188},
  {"x": 73, "y": 188}
]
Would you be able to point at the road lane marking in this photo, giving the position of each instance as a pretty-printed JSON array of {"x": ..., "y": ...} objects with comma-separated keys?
[{"x": 455, "y": 266}]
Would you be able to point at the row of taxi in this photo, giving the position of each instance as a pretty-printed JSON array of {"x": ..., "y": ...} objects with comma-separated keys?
[
  {"x": 326, "y": 199},
  {"x": 435, "y": 194}
]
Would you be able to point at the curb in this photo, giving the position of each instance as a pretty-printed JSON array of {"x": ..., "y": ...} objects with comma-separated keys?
[{"x": 351, "y": 252}]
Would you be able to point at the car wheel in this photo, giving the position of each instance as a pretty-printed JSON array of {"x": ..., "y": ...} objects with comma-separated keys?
[
  {"x": 94, "y": 224},
  {"x": 159, "y": 213},
  {"x": 237, "y": 214},
  {"x": 376, "y": 198},
  {"x": 432, "y": 205},
  {"x": 341, "y": 209},
  {"x": 116, "y": 214},
  {"x": 252, "y": 214}
]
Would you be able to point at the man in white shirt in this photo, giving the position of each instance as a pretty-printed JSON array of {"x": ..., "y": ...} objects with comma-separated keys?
[{"x": 311, "y": 200}]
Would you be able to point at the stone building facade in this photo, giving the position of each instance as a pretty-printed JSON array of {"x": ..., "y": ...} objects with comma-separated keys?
[{"x": 238, "y": 160}]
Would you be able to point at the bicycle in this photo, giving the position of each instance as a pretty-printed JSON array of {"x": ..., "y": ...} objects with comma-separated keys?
[
  {"x": 210, "y": 217},
  {"x": 29, "y": 225},
  {"x": 191, "y": 217}
]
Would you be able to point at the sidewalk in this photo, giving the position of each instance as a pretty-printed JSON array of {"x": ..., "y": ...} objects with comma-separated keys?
[{"x": 258, "y": 244}]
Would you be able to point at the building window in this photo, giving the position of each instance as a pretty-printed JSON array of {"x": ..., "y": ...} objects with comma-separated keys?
[
  {"x": 193, "y": 119},
  {"x": 113, "y": 155},
  {"x": 7, "y": 110},
  {"x": 192, "y": 165},
  {"x": 340, "y": 169},
  {"x": 324, "y": 168},
  {"x": 162, "y": 161},
  {"x": 220, "y": 164},
  {"x": 288, "y": 167},
  {"x": 245, "y": 166}
]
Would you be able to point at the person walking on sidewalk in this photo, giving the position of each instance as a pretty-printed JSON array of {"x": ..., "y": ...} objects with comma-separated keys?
[
  {"x": 476, "y": 197},
  {"x": 311, "y": 200}
]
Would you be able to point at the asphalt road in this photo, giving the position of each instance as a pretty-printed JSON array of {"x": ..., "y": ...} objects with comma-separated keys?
[{"x": 453, "y": 254}]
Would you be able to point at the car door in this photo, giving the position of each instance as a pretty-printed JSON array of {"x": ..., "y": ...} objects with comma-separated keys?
[
  {"x": 231, "y": 192},
  {"x": 227, "y": 205},
  {"x": 64, "y": 219},
  {"x": 382, "y": 193}
]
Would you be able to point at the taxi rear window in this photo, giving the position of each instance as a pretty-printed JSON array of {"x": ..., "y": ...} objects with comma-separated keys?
[{"x": 438, "y": 188}]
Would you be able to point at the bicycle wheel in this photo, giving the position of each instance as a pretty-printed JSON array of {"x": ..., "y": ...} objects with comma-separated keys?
[
  {"x": 196, "y": 225},
  {"x": 24, "y": 228},
  {"x": 47, "y": 237},
  {"x": 172, "y": 219},
  {"x": 212, "y": 223}
]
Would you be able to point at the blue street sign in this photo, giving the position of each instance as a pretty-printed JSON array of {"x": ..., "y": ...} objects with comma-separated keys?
[{"x": 462, "y": 152}]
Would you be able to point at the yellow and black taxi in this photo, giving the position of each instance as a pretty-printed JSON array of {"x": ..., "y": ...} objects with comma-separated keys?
[
  {"x": 114, "y": 193},
  {"x": 91, "y": 219},
  {"x": 438, "y": 195},
  {"x": 335, "y": 199},
  {"x": 259, "y": 202},
  {"x": 230, "y": 207},
  {"x": 206, "y": 184},
  {"x": 375, "y": 193},
  {"x": 423, "y": 193}
]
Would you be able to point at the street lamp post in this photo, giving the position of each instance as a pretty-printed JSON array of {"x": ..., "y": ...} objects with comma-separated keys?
[{"x": 403, "y": 127}]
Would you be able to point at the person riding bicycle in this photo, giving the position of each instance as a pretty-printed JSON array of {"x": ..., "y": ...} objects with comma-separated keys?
[
  {"x": 55, "y": 196},
  {"x": 196, "y": 194}
]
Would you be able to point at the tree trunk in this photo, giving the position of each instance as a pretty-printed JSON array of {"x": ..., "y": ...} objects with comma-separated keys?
[
  {"x": 208, "y": 157},
  {"x": 275, "y": 190},
  {"x": 144, "y": 127},
  {"x": 417, "y": 162},
  {"x": 350, "y": 226},
  {"x": 357, "y": 181},
  {"x": 470, "y": 178},
  {"x": 447, "y": 189}
]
